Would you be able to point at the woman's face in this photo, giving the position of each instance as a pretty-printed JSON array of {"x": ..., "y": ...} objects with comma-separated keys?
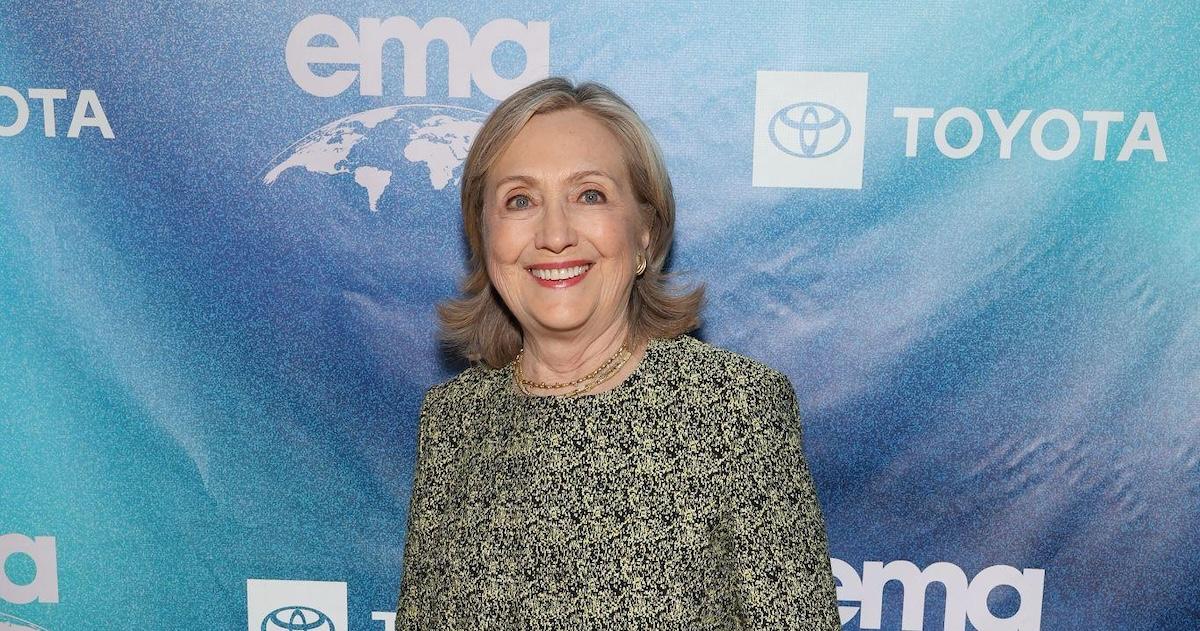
[{"x": 562, "y": 227}]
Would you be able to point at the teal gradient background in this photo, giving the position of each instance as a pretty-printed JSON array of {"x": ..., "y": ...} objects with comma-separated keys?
[{"x": 204, "y": 378}]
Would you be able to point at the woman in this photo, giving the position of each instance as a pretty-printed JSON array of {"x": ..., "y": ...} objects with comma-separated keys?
[{"x": 596, "y": 467}]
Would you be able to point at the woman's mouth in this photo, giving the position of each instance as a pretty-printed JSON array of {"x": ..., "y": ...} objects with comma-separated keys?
[{"x": 558, "y": 277}]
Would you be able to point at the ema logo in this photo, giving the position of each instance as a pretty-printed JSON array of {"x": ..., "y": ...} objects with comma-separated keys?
[
  {"x": 273, "y": 605},
  {"x": 469, "y": 60},
  {"x": 87, "y": 113},
  {"x": 964, "y": 600},
  {"x": 42, "y": 587},
  {"x": 809, "y": 129}
]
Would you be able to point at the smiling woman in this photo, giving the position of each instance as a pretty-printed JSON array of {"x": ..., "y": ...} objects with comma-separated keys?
[
  {"x": 596, "y": 465},
  {"x": 563, "y": 236},
  {"x": 553, "y": 164}
]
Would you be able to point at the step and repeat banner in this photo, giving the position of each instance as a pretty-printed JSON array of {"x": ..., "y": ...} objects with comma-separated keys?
[{"x": 968, "y": 232}]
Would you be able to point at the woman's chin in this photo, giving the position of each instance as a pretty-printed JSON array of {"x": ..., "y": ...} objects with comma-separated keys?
[
  {"x": 563, "y": 321},
  {"x": 559, "y": 327}
]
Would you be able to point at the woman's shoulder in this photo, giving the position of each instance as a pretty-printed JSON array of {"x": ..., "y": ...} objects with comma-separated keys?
[
  {"x": 722, "y": 390},
  {"x": 472, "y": 383},
  {"x": 701, "y": 363}
]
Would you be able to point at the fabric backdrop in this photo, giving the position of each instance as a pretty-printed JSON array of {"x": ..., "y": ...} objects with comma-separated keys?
[{"x": 967, "y": 231}]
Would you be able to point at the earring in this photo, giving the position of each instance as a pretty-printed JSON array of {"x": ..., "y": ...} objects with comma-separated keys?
[{"x": 641, "y": 265}]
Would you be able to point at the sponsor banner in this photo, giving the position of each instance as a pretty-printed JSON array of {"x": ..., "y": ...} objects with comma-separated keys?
[{"x": 975, "y": 251}]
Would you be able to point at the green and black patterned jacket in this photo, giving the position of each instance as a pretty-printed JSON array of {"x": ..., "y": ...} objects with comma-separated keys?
[{"x": 678, "y": 500}]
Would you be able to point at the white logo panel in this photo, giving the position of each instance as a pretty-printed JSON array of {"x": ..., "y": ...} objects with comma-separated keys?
[
  {"x": 275, "y": 605},
  {"x": 809, "y": 129}
]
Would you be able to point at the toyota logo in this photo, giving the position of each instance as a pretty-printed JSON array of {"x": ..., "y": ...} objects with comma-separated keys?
[
  {"x": 297, "y": 618},
  {"x": 809, "y": 129}
]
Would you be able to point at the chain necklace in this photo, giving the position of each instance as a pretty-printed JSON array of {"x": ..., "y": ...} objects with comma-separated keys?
[{"x": 602, "y": 373}]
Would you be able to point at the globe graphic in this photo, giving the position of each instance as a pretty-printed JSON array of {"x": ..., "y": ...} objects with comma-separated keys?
[
  {"x": 359, "y": 225},
  {"x": 386, "y": 148},
  {"x": 12, "y": 623}
]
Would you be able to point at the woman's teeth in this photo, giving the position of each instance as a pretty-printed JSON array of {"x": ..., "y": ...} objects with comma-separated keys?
[{"x": 561, "y": 273}]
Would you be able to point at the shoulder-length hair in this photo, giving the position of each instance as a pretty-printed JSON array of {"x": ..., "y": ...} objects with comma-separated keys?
[{"x": 478, "y": 325}]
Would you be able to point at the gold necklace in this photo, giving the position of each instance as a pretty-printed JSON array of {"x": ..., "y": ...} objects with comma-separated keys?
[
  {"x": 607, "y": 368},
  {"x": 602, "y": 378},
  {"x": 565, "y": 384}
]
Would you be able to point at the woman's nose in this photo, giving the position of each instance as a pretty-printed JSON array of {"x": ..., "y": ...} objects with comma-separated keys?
[{"x": 555, "y": 232}]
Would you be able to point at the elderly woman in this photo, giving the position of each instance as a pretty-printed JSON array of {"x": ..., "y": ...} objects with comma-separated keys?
[{"x": 596, "y": 467}]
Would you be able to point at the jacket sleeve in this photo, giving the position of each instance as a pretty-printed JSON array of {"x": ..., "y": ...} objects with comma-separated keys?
[
  {"x": 779, "y": 554},
  {"x": 417, "y": 581}
]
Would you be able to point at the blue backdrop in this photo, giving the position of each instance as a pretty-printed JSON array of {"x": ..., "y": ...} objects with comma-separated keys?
[{"x": 968, "y": 232}]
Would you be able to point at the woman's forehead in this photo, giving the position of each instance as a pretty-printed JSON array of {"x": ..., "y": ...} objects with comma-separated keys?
[
  {"x": 568, "y": 176},
  {"x": 561, "y": 145}
]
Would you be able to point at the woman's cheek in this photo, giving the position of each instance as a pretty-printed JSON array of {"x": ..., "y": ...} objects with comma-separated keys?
[{"x": 504, "y": 243}]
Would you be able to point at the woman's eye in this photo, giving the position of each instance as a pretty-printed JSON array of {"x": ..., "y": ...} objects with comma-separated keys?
[
  {"x": 592, "y": 196},
  {"x": 519, "y": 202}
]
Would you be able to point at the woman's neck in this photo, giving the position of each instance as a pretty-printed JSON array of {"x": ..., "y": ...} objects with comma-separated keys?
[{"x": 553, "y": 359}]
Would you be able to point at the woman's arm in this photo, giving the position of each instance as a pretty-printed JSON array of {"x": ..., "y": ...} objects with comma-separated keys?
[
  {"x": 416, "y": 588},
  {"x": 778, "y": 546}
]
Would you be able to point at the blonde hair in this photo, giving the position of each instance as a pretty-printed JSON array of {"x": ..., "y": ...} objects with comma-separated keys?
[{"x": 478, "y": 325}]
